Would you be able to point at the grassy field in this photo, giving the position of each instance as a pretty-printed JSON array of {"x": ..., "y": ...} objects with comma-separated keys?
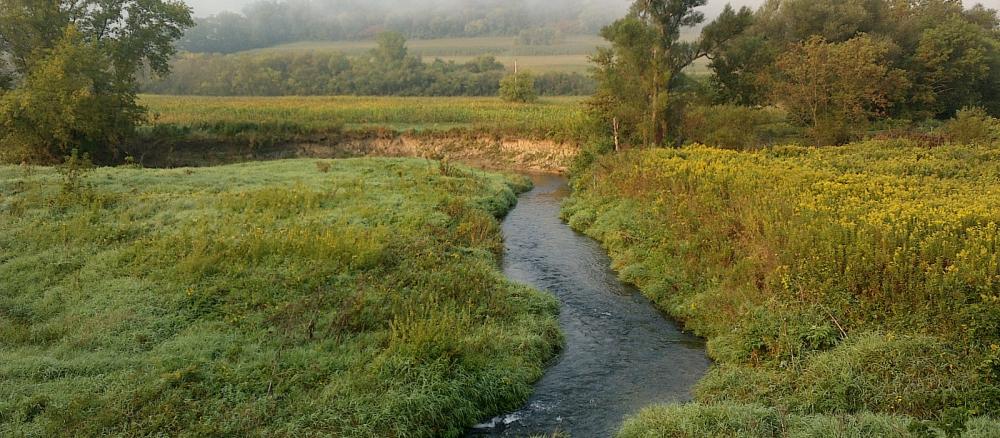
[
  {"x": 549, "y": 118},
  {"x": 856, "y": 283},
  {"x": 571, "y": 55},
  {"x": 290, "y": 298},
  {"x": 442, "y": 47}
]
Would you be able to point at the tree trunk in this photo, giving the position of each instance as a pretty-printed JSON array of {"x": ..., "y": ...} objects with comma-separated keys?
[{"x": 614, "y": 127}]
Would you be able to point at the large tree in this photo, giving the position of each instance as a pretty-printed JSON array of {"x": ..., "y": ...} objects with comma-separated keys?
[
  {"x": 949, "y": 53},
  {"x": 73, "y": 68},
  {"x": 836, "y": 88},
  {"x": 954, "y": 65},
  {"x": 643, "y": 65}
]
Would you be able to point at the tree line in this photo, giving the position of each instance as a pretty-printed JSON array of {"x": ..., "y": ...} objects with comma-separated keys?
[
  {"x": 269, "y": 23},
  {"x": 837, "y": 67},
  {"x": 388, "y": 70}
]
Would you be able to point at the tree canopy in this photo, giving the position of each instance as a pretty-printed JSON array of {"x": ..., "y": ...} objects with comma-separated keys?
[
  {"x": 950, "y": 55},
  {"x": 642, "y": 69},
  {"x": 71, "y": 70}
]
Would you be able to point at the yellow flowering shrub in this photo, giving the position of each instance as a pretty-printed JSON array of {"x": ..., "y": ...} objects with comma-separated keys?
[{"x": 876, "y": 257}]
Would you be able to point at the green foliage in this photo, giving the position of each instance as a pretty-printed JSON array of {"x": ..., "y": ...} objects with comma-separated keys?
[
  {"x": 390, "y": 69},
  {"x": 284, "y": 118},
  {"x": 949, "y": 54},
  {"x": 545, "y": 36},
  {"x": 262, "y": 299},
  {"x": 973, "y": 126},
  {"x": 59, "y": 106},
  {"x": 74, "y": 170},
  {"x": 518, "y": 87},
  {"x": 76, "y": 64},
  {"x": 954, "y": 61},
  {"x": 737, "y": 127},
  {"x": 737, "y": 68},
  {"x": 638, "y": 75},
  {"x": 827, "y": 280},
  {"x": 755, "y": 421},
  {"x": 836, "y": 88},
  {"x": 391, "y": 47}
]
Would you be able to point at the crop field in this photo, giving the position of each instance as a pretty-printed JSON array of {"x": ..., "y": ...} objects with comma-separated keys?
[
  {"x": 300, "y": 297},
  {"x": 568, "y": 56},
  {"x": 550, "y": 117},
  {"x": 852, "y": 280},
  {"x": 571, "y": 55},
  {"x": 443, "y": 47}
]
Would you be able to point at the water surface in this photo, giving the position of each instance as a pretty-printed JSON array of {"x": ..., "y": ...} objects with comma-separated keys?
[{"x": 621, "y": 354}]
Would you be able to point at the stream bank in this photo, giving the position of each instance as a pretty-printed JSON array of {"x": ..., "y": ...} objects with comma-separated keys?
[{"x": 621, "y": 354}]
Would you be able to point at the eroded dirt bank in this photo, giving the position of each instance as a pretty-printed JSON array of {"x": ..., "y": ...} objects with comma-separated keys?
[{"x": 485, "y": 152}]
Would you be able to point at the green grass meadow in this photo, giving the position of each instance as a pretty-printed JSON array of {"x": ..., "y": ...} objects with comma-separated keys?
[
  {"x": 353, "y": 297},
  {"x": 549, "y": 118}
]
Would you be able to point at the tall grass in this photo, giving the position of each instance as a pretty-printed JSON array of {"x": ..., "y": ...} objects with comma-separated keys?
[
  {"x": 344, "y": 298},
  {"x": 551, "y": 118},
  {"x": 828, "y": 281}
]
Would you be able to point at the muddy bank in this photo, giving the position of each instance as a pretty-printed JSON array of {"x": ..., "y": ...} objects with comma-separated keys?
[{"x": 484, "y": 152}]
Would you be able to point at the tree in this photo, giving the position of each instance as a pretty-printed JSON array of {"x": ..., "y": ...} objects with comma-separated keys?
[
  {"x": 835, "y": 88},
  {"x": 949, "y": 53},
  {"x": 391, "y": 47},
  {"x": 75, "y": 66},
  {"x": 644, "y": 63},
  {"x": 518, "y": 87},
  {"x": 953, "y": 67},
  {"x": 57, "y": 109}
]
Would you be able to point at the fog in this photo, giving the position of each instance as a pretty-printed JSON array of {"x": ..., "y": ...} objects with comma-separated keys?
[{"x": 204, "y": 8}]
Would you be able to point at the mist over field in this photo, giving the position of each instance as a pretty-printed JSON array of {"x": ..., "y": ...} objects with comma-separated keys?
[{"x": 204, "y": 8}]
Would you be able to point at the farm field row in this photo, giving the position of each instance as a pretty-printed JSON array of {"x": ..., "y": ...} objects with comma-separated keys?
[
  {"x": 571, "y": 55},
  {"x": 550, "y": 117}
]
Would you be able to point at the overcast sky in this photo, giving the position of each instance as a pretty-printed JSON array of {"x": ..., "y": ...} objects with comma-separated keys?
[{"x": 209, "y": 7}]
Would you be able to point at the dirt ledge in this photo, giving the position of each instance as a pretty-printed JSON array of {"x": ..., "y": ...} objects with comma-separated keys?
[{"x": 480, "y": 151}]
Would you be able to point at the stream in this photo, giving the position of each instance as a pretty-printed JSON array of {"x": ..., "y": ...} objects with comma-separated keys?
[{"x": 621, "y": 354}]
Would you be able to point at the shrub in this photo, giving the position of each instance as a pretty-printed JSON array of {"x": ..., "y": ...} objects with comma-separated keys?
[
  {"x": 972, "y": 125},
  {"x": 737, "y": 127},
  {"x": 518, "y": 87}
]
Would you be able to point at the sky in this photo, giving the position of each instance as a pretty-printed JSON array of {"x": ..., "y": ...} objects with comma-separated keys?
[{"x": 208, "y": 7}]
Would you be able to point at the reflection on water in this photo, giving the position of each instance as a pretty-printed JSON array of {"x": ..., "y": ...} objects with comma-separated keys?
[{"x": 621, "y": 354}]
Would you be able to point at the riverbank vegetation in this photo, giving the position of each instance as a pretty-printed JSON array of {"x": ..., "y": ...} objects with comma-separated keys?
[
  {"x": 853, "y": 282},
  {"x": 836, "y": 71},
  {"x": 300, "y": 297}
]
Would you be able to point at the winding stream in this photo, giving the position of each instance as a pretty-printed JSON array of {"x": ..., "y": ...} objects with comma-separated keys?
[{"x": 621, "y": 354}]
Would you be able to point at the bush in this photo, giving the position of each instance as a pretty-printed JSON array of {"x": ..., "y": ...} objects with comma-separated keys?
[
  {"x": 972, "y": 125},
  {"x": 737, "y": 127},
  {"x": 518, "y": 87},
  {"x": 56, "y": 110}
]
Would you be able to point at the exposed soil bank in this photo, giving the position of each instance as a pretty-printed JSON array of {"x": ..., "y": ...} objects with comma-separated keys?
[
  {"x": 621, "y": 354},
  {"x": 480, "y": 151}
]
